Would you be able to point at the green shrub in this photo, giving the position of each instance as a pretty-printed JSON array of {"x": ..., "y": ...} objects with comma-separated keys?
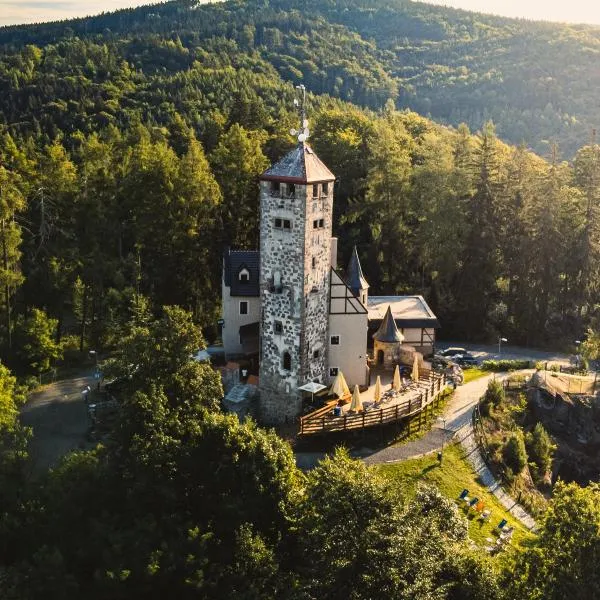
[
  {"x": 514, "y": 453},
  {"x": 494, "y": 393},
  {"x": 505, "y": 365},
  {"x": 540, "y": 450}
]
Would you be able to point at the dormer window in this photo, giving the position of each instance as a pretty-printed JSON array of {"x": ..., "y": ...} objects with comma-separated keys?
[{"x": 244, "y": 276}]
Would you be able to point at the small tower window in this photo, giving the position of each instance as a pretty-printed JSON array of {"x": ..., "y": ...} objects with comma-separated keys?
[
  {"x": 287, "y": 361},
  {"x": 284, "y": 224},
  {"x": 291, "y": 190},
  {"x": 335, "y": 340},
  {"x": 315, "y": 190},
  {"x": 316, "y": 353},
  {"x": 325, "y": 189},
  {"x": 243, "y": 307},
  {"x": 278, "y": 327},
  {"x": 275, "y": 188},
  {"x": 314, "y": 262},
  {"x": 333, "y": 371}
]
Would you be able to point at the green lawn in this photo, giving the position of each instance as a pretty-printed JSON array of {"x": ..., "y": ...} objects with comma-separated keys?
[
  {"x": 474, "y": 373},
  {"x": 454, "y": 475}
]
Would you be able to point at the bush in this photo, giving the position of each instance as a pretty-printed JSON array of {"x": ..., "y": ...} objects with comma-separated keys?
[
  {"x": 514, "y": 453},
  {"x": 494, "y": 393},
  {"x": 540, "y": 450},
  {"x": 505, "y": 365}
]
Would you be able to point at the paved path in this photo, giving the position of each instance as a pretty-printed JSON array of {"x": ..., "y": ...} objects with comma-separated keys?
[
  {"x": 458, "y": 423},
  {"x": 59, "y": 420}
]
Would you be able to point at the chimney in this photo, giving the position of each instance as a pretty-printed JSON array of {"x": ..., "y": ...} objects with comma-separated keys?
[{"x": 334, "y": 242}]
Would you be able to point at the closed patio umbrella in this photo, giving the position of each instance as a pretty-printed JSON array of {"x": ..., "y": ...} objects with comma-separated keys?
[
  {"x": 377, "y": 392},
  {"x": 356, "y": 404},
  {"x": 415, "y": 369},
  {"x": 339, "y": 387},
  {"x": 396, "y": 383}
]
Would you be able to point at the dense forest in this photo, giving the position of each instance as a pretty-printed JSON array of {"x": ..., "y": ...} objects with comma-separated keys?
[{"x": 535, "y": 80}]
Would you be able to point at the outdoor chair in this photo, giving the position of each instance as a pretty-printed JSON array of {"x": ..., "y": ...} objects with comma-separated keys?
[
  {"x": 485, "y": 515},
  {"x": 473, "y": 503},
  {"x": 464, "y": 494},
  {"x": 502, "y": 524}
]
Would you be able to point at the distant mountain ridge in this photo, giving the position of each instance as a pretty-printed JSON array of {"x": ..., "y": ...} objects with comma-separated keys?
[{"x": 537, "y": 81}]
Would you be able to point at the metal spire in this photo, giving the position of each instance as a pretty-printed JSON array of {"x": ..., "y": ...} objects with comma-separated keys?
[{"x": 302, "y": 133}]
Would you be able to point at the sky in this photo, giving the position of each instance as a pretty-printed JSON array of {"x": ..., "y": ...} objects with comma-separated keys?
[
  {"x": 575, "y": 11},
  {"x": 571, "y": 11}
]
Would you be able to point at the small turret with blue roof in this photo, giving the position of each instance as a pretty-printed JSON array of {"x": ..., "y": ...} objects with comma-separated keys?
[{"x": 355, "y": 279}]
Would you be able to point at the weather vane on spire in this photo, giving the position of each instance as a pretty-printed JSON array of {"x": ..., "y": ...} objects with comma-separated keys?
[{"x": 303, "y": 133}]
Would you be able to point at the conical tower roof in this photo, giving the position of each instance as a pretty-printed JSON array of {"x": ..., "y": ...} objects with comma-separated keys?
[
  {"x": 300, "y": 165},
  {"x": 354, "y": 276},
  {"x": 388, "y": 332}
]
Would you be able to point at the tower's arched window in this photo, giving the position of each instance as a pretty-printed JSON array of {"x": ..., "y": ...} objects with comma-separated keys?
[
  {"x": 287, "y": 361},
  {"x": 244, "y": 275}
]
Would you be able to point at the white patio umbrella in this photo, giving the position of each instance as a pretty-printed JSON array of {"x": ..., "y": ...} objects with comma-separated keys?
[
  {"x": 356, "y": 404},
  {"x": 339, "y": 387},
  {"x": 396, "y": 383},
  {"x": 415, "y": 369},
  {"x": 377, "y": 392}
]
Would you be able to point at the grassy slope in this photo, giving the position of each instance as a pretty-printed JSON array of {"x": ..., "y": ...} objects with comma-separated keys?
[{"x": 451, "y": 478}]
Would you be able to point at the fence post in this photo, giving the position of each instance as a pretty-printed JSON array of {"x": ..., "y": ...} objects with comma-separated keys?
[
  {"x": 345, "y": 419},
  {"x": 396, "y": 417},
  {"x": 323, "y": 423}
]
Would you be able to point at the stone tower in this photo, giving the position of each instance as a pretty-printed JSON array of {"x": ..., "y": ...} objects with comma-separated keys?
[{"x": 296, "y": 201}]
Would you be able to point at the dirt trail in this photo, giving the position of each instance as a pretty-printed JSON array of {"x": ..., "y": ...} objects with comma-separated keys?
[{"x": 58, "y": 416}]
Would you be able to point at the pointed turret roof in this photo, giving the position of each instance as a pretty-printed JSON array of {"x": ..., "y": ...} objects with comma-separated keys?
[
  {"x": 388, "y": 332},
  {"x": 300, "y": 165},
  {"x": 354, "y": 276}
]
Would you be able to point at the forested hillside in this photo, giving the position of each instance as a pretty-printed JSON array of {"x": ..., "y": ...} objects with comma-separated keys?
[
  {"x": 129, "y": 154},
  {"x": 536, "y": 81}
]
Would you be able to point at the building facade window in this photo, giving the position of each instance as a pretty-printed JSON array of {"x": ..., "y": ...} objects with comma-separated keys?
[
  {"x": 291, "y": 190},
  {"x": 334, "y": 340},
  {"x": 316, "y": 354},
  {"x": 275, "y": 188},
  {"x": 333, "y": 371},
  {"x": 284, "y": 224},
  {"x": 278, "y": 327},
  {"x": 315, "y": 190},
  {"x": 314, "y": 262},
  {"x": 287, "y": 361},
  {"x": 325, "y": 189},
  {"x": 243, "y": 307},
  {"x": 318, "y": 223}
]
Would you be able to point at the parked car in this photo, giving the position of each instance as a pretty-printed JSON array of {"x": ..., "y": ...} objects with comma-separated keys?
[
  {"x": 466, "y": 360},
  {"x": 452, "y": 351}
]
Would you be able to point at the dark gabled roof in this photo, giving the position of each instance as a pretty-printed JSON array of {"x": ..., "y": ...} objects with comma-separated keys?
[
  {"x": 236, "y": 260},
  {"x": 300, "y": 165},
  {"x": 388, "y": 332},
  {"x": 354, "y": 276}
]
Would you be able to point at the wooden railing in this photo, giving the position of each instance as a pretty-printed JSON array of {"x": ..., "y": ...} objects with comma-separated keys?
[{"x": 322, "y": 420}]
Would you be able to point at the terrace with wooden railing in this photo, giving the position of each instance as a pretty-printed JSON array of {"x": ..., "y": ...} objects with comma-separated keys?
[{"x": 395, "y": 407}]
